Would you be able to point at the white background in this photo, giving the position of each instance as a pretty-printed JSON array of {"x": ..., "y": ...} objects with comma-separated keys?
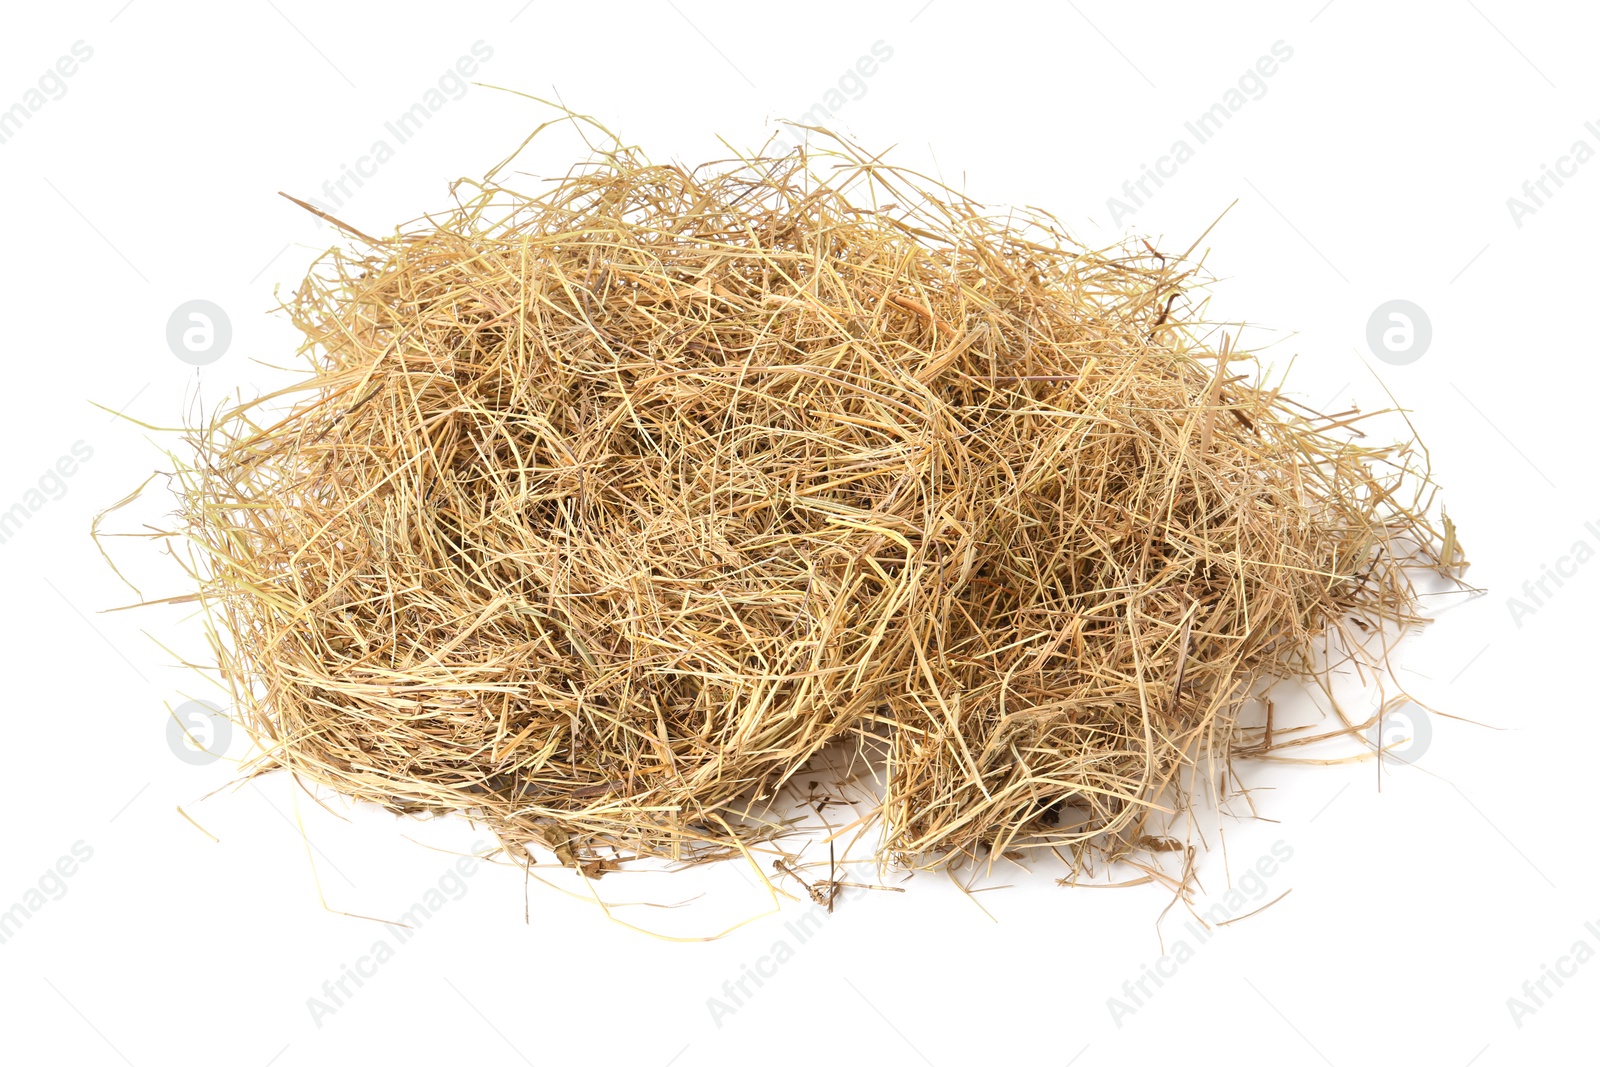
[{"x": 1376, "y": 166}]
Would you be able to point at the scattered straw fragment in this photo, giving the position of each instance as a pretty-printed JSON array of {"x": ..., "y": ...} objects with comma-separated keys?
[
  {"x": 605, "y": 509},
  {"x": 190, "y": 820}
]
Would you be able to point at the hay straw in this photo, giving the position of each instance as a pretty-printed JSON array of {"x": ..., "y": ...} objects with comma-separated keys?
[{"x": 605, "y": 509}]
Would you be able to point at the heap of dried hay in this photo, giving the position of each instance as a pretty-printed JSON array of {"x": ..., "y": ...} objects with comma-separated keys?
[{"x": 604, "y": 510}]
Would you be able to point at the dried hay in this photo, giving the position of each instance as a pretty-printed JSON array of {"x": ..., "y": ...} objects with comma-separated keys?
[{"x": 606, "y": 509}]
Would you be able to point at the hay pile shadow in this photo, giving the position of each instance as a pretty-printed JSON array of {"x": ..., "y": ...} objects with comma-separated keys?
[{"x": 607, "y": 507}]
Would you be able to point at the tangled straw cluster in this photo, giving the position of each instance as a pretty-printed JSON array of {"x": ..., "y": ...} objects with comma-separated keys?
[{"x": 605, "y": 510}]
